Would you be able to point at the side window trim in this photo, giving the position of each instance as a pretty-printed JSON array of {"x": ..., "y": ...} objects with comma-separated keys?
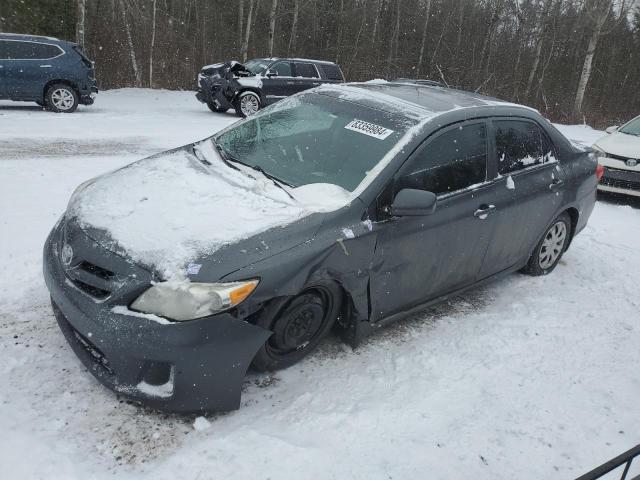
[
  {"x": 494, "y": 154},
  {"x": 476, "y": 121},
  {"x": 62, "y": 52}
]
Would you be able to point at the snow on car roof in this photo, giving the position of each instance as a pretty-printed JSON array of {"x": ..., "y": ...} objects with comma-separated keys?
[
  {"x": 419, "y": 100},
  {"x": 434, "y": 98},
  {"x": 411, "y": 100},
  {"x": 22, "y": 36}
]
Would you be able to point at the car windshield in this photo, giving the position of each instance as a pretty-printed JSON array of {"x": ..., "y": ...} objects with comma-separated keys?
[
  {"x": 256, "y": 66},
  {"x": 315, "y": 138},
  {"x": 632, "y": 128}
]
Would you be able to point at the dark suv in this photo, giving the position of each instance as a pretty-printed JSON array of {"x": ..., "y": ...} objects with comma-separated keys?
[
  {"x": 260, "y": 82},
  {"x": 53, "y": 73}
]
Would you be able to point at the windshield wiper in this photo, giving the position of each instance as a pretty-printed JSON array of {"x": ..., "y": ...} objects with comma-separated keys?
[
  {"x": 224, "y": 156},
  {"x": 228, "y": 159},
  {"x": 276, "y": 181}
]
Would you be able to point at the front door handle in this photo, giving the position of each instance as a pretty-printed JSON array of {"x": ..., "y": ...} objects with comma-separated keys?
[
  {"x": 484, "y": 211},
  {"x": 45, "y": 66},
  {"x": 556, "y": 184}
]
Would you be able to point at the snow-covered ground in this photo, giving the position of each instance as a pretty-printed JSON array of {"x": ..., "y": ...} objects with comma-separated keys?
[{"x": 526, "y": 378}]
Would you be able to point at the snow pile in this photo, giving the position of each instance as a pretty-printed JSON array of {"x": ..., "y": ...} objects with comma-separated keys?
[
  {"x": 201, "y": 424},
  {"x": 165, "y": 210}
]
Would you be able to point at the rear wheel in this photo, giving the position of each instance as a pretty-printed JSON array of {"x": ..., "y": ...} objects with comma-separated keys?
[
  {"x": 298, "y": 327},
  {"x": 549, "y": 250},
  {"x": 214, "y": 107},
  {"x": 246, "y": 104},
  {"x": 61, "y": 98}
]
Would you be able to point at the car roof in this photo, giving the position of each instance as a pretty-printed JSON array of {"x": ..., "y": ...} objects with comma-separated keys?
[
  {"x": 274, "y": 59},
  {"x": 416, "y": 99},
  {"x": 29, "y": 38}
]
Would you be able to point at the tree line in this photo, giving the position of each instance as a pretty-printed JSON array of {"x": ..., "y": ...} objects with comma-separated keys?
[{"x": 573, "y": 60}]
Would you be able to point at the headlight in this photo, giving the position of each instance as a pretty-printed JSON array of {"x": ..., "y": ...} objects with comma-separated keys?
[
  {"x": 599, "y": 153},
  {"x": 186, "y": 301}
]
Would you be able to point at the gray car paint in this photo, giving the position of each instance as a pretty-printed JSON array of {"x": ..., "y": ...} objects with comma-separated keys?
[{"x": 375, "y": 255}]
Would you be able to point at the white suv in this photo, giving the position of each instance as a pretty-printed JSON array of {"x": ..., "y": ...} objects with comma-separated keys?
[{"x": 619, "y": 153}]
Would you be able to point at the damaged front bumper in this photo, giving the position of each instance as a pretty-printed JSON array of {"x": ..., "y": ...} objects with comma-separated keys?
[
  {"x": 191, "y": 366},
  {"x": 214, "y": 91}
]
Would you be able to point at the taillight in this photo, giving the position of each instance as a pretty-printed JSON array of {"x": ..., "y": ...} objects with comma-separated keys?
[{"x": 599, "y": 172}]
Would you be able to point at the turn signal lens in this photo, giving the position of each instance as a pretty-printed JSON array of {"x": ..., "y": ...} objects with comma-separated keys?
[{"x": 238, "y": 295}]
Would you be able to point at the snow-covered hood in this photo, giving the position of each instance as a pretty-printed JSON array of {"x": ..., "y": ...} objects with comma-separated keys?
[
  {"x": 620, "y": 144},
  {"x": 170, "y": 209}
]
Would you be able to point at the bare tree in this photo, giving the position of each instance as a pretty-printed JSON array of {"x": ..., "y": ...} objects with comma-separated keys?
[
  {"x": 598, "y": 14},
  {"x": 132, "y": 52},
  {"x": 423, "y": 42},
  {"x": 272, "y": 25},
  {"x": 240, "y": 17},
  {"x": 294, "y": 27},
  {"x": 153, "y": 43},
  {"x": 247, "y": 31},
  {"x": 540, "y": 27},
  {"x": 81, "y": 9}
]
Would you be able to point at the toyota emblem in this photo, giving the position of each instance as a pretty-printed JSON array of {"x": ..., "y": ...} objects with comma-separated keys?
[
  {"x": 66, "y": 255},
  {"x": 632, "y": 162}
]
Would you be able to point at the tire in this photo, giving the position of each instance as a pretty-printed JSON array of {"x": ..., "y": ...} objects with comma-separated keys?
[
  {"x": 298, "y": 327},
  {"x": 62, "y": 98},
  {"x": 246, "y": 104},
  {"x": 549, "y": 250},
  {"x": 215, "y": 108}
]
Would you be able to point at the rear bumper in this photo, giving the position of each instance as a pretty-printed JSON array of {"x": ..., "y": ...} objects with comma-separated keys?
[
  {"x": 192, "y": 366},
  {"x": 88, "y": 94}
]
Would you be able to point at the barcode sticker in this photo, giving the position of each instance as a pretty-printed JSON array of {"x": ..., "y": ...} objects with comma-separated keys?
[{"x": 371, "y": 129}]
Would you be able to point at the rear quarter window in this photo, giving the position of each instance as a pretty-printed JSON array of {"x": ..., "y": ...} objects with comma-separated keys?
[
  {"x": 332, "y": 72},
  {"x": 521, "y": 144}
]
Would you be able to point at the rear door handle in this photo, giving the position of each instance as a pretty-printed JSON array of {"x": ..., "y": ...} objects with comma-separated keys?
[
  {"x": 484, "y": 211},
  {"x": 556, "y": 184},
  {"x": 45, "y": 66}
]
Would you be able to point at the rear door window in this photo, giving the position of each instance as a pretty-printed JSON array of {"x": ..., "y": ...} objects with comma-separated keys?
[
  {"x": 454, "y": 160},
  {"x": 306, "y": 70},
  {"x": 520, "y": 144}
]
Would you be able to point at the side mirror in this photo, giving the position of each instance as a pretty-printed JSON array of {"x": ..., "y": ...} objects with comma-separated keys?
[
  {"x": 271, "y": 73},
  {"x": 410, "y": 202},
  {"x": 612, "y": 129}
]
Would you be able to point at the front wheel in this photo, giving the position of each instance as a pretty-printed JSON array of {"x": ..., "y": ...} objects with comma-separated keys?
[
  {"x": 61, "y": 98},
  {"x": 246, "y": 104},
  {"x": 549, "y": 250},
  {"x": 298, "y": 327}
]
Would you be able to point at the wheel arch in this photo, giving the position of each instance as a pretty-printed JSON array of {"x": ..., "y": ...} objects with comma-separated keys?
[
  {"x": 574, "y": 215},
  {"x": 63, "y": 81}
]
